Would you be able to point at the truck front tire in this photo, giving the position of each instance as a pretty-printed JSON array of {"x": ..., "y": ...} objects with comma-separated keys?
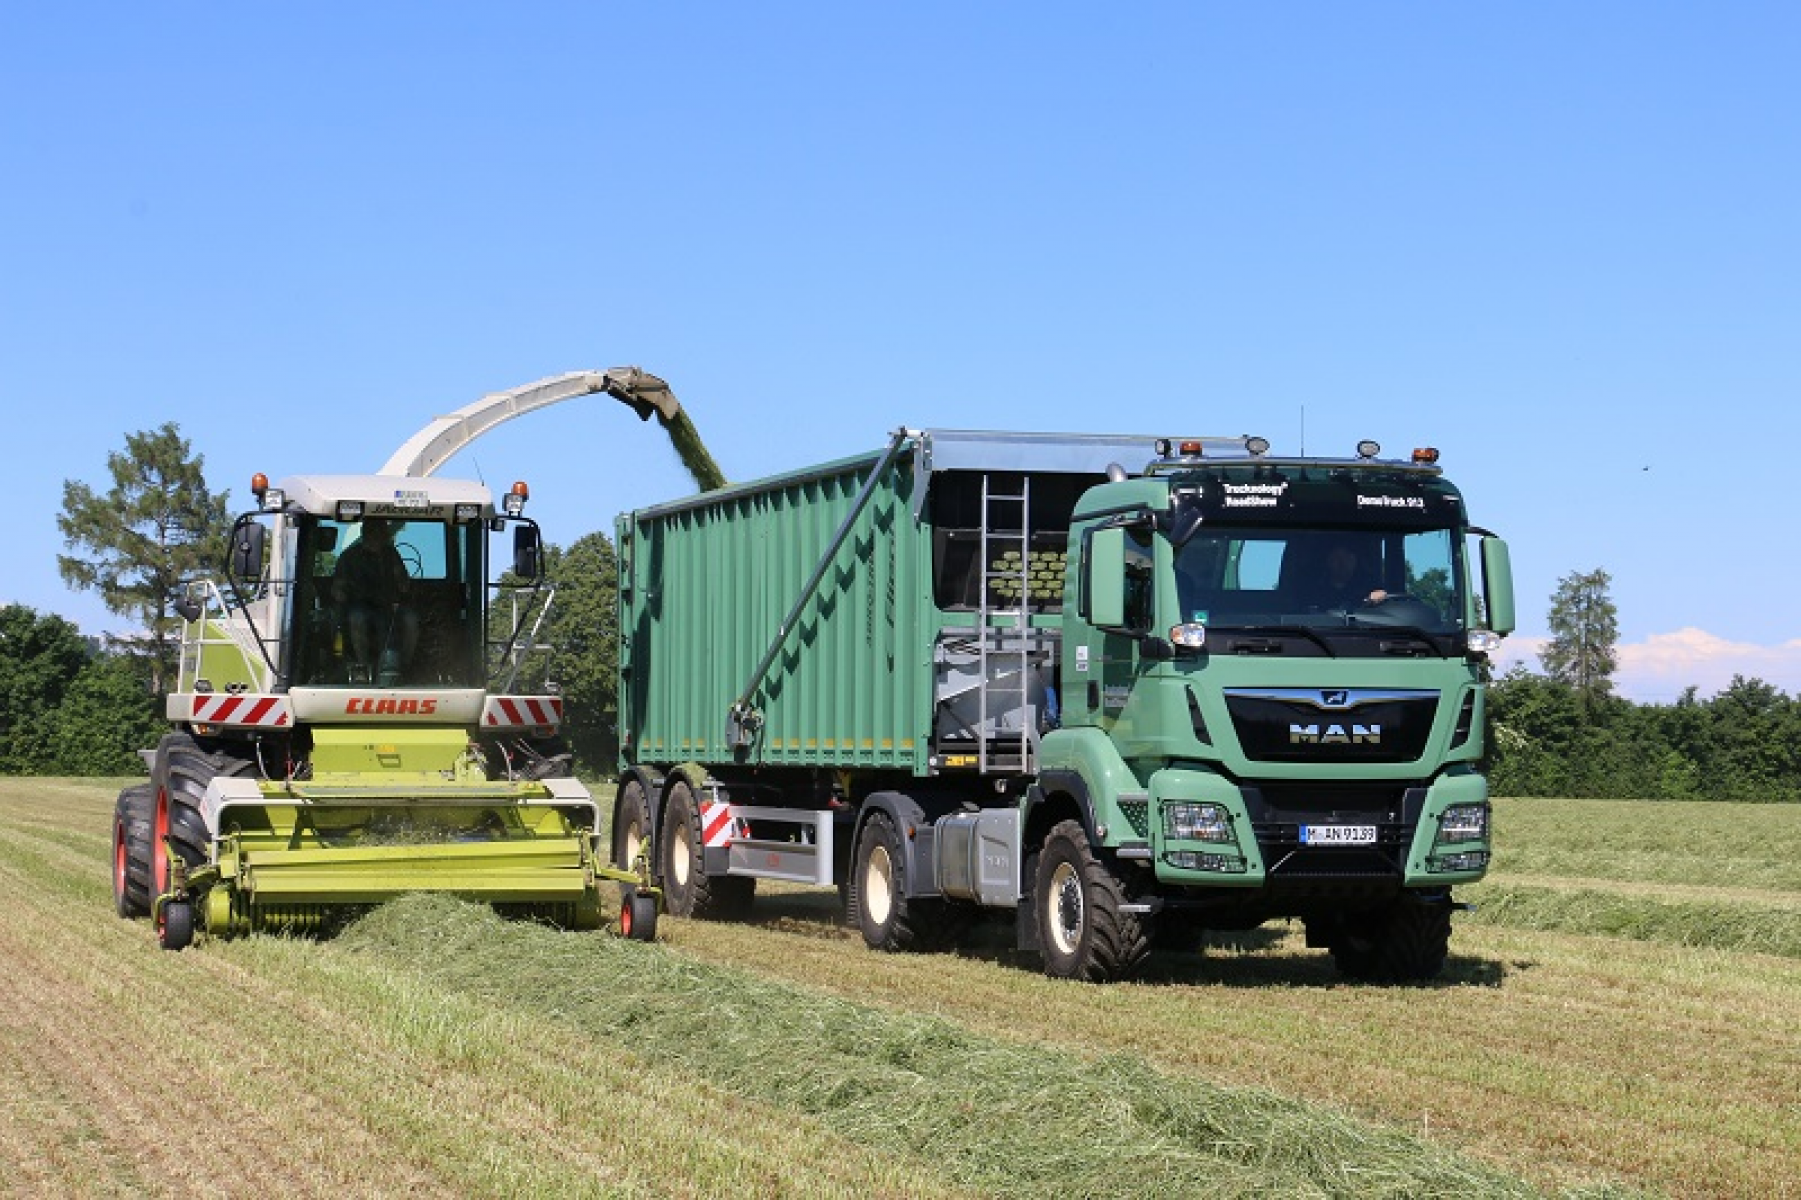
[
  {"x": 1083, "y": 931},
  {"x": 1405, "y": 943}
]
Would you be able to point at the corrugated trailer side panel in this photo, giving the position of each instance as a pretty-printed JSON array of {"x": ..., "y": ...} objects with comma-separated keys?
[{"x": 712, "y": 580}]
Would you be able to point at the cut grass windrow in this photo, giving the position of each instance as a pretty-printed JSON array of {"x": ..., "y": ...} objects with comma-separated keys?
[
  {"x": 1745, "y": 928},
  {"x": 995, "y": 1115}
]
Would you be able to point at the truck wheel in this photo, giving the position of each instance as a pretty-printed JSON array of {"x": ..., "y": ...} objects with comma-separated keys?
[
  {"x": 1405, "y": 943},
  {"x": 631, "y": 825},
  {"x": 1082, "y": 931},
  {"x": 132, "y": 816},
  {"x": 688, "y": 891},
  {"x": 181, "y": 775},
  {"x": 878, "y": 887},
  {"x": 175, "y": 925}
]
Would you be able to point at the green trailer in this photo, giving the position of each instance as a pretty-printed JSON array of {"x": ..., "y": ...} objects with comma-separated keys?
[{"x": 1126, "y": 687}]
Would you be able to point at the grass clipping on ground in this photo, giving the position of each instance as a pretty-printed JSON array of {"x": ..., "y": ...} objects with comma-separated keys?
[{"x": 991, "y": 1114}]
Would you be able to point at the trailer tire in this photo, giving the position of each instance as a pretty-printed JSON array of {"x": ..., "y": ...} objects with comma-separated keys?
[
  {"x": 631, "y": 826},
  {"x": 1405, "y": 943},
  {"x": 181, "y": 775},
  {"x": 1083, "y": 931},
  {"x": 688, "y": 891},
  {"x": 132, "y": 817}
]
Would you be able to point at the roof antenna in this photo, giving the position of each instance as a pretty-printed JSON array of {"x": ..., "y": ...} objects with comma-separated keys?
[{"x": 1303, "y": 431}]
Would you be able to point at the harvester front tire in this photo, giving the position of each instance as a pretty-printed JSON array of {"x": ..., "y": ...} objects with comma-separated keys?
[
  {"x": 175, "y": 925},
  {"x": 688, "y": 891},
  {"x": 132, "y": 817},
  {"x": 181, "y": 775},
  {"x": 1083, "y": 931}
]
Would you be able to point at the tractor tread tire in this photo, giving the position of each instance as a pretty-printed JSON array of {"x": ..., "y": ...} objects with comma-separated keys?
[
  {"x": 132, "y": 816},
  {"x": 1109, "y": 943},
  {"x": 181, "y": 775}
]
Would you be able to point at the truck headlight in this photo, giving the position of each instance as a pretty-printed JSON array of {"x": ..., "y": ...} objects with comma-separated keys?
[
  {"x": 1463, "y": 823},
  {"x": 1197, "y": 823}
]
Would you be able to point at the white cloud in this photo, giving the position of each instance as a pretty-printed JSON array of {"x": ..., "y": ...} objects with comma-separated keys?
[{"x": 1656, "y": 670}]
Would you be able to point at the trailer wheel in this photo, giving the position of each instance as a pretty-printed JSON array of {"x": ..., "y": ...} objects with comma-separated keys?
[
  {"x": 132, "y": 816},
  {"x": 1404, "y": 943},
  {"x": 637, "y": 915},
  {"x": 175, "y": 925},
  {"x": 631, "y": 825},
  {"x": 1083, "y": 932},
  {"x": 688, "y": 890}
]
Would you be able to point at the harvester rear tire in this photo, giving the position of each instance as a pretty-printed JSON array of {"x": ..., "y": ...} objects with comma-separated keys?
[
  {"x": 1083, "y": 931},
  {"x": 132, "y": 815},
  {"x": 175, "y": 925},
  {"x": 181, "y": 775},
  {"x": 688, "y": 891}
]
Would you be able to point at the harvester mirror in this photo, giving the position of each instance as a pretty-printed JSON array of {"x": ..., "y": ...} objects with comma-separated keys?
[
  {"x": 187, "y": 606},
  {"x": 1497, "y": 584},
  {"x": 247, "y": 541},
  {"x": 1104, "y": 578},
  {"x": 527, "y": 552}
]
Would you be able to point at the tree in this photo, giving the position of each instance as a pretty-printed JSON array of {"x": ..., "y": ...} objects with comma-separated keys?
[
  {"x": 1584, "y": 628},
  {"x": 584, "y": 627},
  {"x": 155, "y": 529},
  {"x": 65, "y": 710}
]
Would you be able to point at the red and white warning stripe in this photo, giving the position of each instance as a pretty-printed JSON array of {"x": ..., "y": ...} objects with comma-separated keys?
[
  {"x": 717, "y": 825},
  {"x": 227, "y": 708},
  {"x": 522, "y": 712}
]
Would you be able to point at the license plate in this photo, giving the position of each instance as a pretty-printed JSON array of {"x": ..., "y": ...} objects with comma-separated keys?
[{"x": 1338, "y": 835}]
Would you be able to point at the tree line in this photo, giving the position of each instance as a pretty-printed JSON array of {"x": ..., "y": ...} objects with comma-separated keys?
[{"x": 70, "y": 705}]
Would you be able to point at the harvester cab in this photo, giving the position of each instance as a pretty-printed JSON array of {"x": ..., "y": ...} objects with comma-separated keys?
[{"x": 364, "y": 708}]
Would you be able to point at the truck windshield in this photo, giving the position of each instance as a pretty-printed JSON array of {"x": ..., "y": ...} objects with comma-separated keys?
[{"x": 1346, "y": 577}]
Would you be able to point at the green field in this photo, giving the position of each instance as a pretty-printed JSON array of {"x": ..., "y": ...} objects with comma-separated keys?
[{"x": 433, "y": 1048}]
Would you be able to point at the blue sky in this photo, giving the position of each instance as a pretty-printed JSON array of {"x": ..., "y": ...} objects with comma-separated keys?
[{"x": 1559, "y": 242}]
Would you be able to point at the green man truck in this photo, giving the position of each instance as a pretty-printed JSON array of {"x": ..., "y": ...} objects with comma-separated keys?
[{"x": 1130, "y": 689}]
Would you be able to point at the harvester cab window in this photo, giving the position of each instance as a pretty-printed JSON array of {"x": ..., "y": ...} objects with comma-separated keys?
[{"x": 389, "y": 602}]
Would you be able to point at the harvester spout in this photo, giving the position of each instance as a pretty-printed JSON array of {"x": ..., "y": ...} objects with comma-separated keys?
[{"x": 431, "y": 447}]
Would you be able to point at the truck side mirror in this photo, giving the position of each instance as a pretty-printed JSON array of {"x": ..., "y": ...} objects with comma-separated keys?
[
  {"x": 1103, "y": 599},
  {"x": 1497, "y": 584},
  {"x": 527, "y": 552},
  {"x": 247, "y": 542}
]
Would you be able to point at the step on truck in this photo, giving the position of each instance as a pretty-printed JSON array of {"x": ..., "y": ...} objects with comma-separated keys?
[
  {"x": 1127, "y": 689},
  {"x": 363, "y": 708}
]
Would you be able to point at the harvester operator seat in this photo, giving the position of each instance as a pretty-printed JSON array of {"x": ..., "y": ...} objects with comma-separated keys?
[{"x": 370, "y": 586}]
